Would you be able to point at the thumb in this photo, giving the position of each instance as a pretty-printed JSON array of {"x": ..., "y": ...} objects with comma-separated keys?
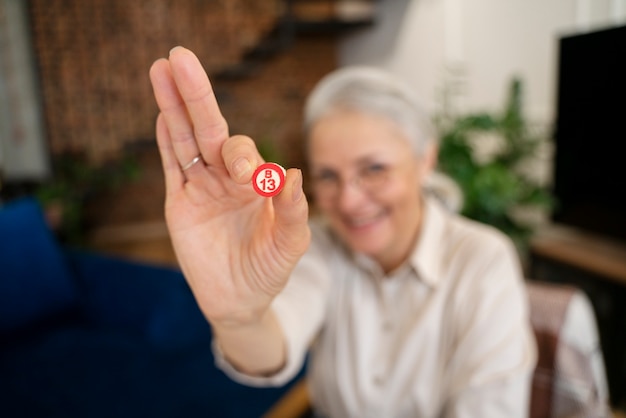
[{"x": 291, "y": 211}]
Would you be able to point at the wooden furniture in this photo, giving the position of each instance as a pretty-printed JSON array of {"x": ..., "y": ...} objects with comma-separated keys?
[
  {"x": 582, "y": 250},
  {"x": 148, "y": 242},
  {"x": 596, "y": 265},
  {"x": 295, "y": 404}
]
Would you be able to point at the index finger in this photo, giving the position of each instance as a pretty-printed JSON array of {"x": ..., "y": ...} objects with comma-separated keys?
[{"x": 209, "y": 126}]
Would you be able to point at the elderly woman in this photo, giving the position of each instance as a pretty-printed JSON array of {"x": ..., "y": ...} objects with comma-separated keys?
[{"x": 407, "y": 310}]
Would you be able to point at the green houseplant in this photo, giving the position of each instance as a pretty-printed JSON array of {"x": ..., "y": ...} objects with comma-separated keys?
[{"x": 494, "y": 186}]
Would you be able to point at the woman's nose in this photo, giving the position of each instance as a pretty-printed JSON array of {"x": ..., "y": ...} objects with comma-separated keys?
[{"x": 351, "y": 196}]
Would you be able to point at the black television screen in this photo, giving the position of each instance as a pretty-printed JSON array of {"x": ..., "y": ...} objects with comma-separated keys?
[{"x": 590, "y": 132}]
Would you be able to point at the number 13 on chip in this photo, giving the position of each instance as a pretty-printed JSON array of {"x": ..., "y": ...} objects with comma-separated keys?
[{"x": 268, "y": 179}]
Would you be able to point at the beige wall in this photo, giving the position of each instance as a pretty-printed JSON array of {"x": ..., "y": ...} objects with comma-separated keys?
[
  {"x": 490, "y": 40},
  {"x": 477, "y": 46}
]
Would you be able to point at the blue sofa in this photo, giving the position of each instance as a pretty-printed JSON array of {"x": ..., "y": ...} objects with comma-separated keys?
[{"x": 88, "y": 335}]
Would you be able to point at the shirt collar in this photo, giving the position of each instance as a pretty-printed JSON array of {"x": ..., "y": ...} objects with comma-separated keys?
[
  {"x": 427, "y": 255},
  {"x": 425, "y": 259}
]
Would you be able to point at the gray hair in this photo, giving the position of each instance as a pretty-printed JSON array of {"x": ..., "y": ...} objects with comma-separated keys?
[{"x": 372, "y": 90}]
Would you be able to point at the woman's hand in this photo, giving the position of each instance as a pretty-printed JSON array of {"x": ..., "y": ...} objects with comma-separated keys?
[{"x": 235, "y": 248}]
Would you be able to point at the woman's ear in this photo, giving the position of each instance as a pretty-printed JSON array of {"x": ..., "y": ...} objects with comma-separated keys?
[{"x": 428, "y": 160}]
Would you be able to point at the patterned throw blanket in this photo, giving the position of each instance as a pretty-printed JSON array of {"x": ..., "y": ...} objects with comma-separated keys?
[{"x": 569, "y": 380}]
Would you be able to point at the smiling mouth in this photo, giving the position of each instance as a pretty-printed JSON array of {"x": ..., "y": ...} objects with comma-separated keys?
[{"x": 359, "y": 223}]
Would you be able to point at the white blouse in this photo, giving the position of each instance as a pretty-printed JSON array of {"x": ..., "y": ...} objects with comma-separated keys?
[{"x": 445, "y": 335}]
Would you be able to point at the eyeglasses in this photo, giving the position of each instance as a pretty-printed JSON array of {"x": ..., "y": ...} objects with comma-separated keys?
[{"x": 370, "y": 178}]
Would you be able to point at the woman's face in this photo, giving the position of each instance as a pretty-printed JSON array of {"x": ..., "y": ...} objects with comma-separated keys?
[{"x": 367, "y": 181}]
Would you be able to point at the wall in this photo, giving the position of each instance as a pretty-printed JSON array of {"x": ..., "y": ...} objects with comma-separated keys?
[
  {"x": 431, "y": 42},
  {"x": 266, "y": 107},
  {"x": 23, "y": 150},
  {"x": 93, "y": 60},
  {"x": 471, "y": 49}
]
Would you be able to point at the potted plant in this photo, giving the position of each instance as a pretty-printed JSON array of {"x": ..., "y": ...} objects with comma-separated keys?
[{"x": 485, "y": 154}]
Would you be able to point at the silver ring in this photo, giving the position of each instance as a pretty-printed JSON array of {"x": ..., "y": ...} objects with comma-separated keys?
[{"x": 191, "y": 163}]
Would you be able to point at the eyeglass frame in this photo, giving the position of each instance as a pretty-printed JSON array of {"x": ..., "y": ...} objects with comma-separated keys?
[{"x": 379, "y": 173}]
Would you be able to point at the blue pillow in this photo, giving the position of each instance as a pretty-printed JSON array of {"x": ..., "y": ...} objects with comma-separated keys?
[
  {"x": 151, "y": 300},
  {"x": 35, "y": 280}
]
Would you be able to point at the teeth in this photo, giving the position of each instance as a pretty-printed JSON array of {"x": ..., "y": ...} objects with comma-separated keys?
[{"x": 362, "y": 221}]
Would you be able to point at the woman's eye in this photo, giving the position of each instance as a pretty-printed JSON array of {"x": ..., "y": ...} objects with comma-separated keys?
[
  {"x": 325, "y": 177},
  {"x": 374, "y": 170}
]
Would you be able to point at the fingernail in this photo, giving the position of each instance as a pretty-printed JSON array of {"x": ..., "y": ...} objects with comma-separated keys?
[
  {"x": 175, "y": 48},
  {"x": 297, "y": 187},
  {"x": 241, "y": 167}
]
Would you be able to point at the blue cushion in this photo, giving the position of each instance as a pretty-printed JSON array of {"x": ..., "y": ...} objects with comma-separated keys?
[
  {"x": 151, "y": 300},
  {"x": 35, "y": 280},
  {"x": 80, "y": 372}
]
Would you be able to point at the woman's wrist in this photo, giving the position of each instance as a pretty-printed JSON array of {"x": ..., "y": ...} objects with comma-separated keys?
[
  {"x": 240, "y": 321},
  {"x": 256, "y": 347}
]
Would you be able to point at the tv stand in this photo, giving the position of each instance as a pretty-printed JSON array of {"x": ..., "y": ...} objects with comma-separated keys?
[{"x": 596, "y": 265}]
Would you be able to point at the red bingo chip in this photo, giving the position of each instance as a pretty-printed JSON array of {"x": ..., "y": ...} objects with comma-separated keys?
[{"x": 268, "y": 179}]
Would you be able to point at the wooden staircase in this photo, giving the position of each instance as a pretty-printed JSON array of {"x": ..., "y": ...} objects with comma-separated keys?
[{"x": 302, "y": 18}]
